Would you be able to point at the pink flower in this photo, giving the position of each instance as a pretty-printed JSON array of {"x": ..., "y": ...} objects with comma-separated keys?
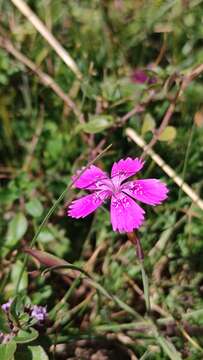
[
  {"x": 140, "y": 76},
  {"x": 126, "y": 214}
]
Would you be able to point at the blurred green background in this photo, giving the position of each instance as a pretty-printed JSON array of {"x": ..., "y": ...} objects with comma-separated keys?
[{"x": 43, "y": 142}]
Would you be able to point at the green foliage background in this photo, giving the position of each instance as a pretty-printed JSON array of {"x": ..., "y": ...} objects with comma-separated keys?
[{"x": 43, "y": 143}]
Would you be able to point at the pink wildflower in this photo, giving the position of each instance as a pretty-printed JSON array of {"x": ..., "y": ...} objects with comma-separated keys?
[
  {"x": 126, "y": 214},
  {"x": 140, "y": 76}
]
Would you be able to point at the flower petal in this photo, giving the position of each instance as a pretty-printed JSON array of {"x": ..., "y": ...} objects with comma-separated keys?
[
  {"x": 90, "y": 178},
  {"x": 87, "y": 204},
  {"x": 125, "y": 168},
  {"x": 126, "y": 215},
  {"x": 149, "y": 191}
]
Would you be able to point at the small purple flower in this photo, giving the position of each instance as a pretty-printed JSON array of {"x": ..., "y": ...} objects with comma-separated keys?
[
  {"x": 126, "y": 214},
  {"x": 6, "y": 306},
  {"x": 140, "y": 76},
  {"x": 34, "y": 311},
  {"x": 39, "y": 313}
]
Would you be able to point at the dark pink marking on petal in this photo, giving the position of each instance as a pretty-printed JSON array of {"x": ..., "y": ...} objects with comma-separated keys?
[
  {"x": 125, "y": 168},
  {"x": 87, "y": 204},
  {"x": 126, "y": 215},
  {"x": 90, "y": 178},
  {"x": 149, "y": 191}
]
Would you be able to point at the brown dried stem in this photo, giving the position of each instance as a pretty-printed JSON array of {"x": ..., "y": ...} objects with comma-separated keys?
[
  {"x": 44, "y": 77},
  {"x": 48, "y": 36},
  {"x": 132, "y": 134},
  {"x": 186, "y": 80}
]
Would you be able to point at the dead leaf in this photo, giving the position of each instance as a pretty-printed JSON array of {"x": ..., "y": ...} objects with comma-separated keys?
[{"x": 198, "y": 118}]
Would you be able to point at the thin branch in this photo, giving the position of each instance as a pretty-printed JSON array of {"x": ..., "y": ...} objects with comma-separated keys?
[
  {"x": 186, "y": 80},
  {"x": 164, "y": 123},
  {"x": 132, "y": 134},
  {"x": 192, "y": 75},
  {"x": 48, "y": 36},
  {"x": 139, "y": 108},
  {"x": 44, "y": 78},
  {"x": 162, "y": 51}
]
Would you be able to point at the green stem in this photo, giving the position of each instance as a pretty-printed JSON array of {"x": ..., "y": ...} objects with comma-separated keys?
[
  {"x": 145, "y": 281},
  {"x": 59, "y": 305},
  {"x": 140, "y": 254},
  {"x": 185, "y": 162},
  {"x": 145, "y": 355},
  {"x": 117, "y": 300},
  {"x": 98, "y": 287},
  {"x": 50, "y": 212}
]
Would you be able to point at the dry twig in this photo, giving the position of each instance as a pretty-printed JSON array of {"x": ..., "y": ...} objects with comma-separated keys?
[
  {"x": 132, "y": 134},
  {"x": 186, "y": 80},
  {"x": 53, "y": 42},
  {"x": 44, "y": 78}
]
